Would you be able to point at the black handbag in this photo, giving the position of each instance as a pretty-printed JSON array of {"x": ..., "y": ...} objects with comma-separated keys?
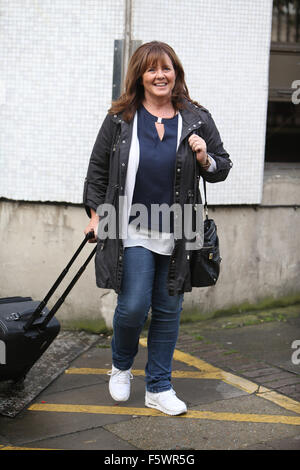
[{"x": 205, "y": 262}]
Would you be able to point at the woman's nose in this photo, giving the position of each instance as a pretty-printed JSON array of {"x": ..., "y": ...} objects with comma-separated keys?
[{"x": 159, "y": 73}]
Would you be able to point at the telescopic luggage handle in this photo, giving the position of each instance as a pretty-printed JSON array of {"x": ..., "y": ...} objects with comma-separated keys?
[{"x": 37, "y": 313}]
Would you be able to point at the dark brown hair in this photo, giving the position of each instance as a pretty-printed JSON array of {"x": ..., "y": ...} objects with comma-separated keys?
[{"x": 145, "y": 56}]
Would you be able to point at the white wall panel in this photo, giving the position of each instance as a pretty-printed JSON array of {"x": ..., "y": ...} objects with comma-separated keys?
[{"x": 56, "y": 83}]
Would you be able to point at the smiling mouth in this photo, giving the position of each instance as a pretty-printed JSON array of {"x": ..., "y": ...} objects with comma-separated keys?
[{"x": 160, "y": 84}]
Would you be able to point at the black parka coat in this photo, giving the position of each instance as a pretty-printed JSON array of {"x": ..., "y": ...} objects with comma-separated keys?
[{"x": 106, "y": 177}]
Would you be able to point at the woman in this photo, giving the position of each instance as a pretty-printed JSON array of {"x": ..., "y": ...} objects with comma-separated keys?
[{"x": 145, "y": 155}]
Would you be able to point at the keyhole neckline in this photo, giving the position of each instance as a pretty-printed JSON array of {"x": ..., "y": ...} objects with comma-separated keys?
[{"x": 159, "y": 119}]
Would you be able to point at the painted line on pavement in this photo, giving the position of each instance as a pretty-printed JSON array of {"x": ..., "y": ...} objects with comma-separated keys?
[
  {"x": 208, "y": 415},
  {"x": 234, "y": 380},
  {"x": 23, "y": 448}
]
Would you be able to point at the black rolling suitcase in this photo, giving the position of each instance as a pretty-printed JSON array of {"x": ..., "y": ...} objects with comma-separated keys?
[{"x": 27, "y": 327}]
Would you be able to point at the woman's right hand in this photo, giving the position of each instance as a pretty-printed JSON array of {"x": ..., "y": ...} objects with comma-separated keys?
[{"x": 93, "y": 226}]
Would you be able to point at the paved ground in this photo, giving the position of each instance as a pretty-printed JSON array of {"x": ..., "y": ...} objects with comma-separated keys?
[{"x": 241, "y": 384}]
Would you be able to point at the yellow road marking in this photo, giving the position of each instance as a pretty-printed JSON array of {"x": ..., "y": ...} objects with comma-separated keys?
[
  {"x": 209, "y": 415},
  {"x": 232, "y": 379},
  {"x": 281, "y": 400},
  {"x": 23, "y": 448},
  {"x": 180, "y": 374}
]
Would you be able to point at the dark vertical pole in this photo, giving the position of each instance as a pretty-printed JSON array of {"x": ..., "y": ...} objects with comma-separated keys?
[
  {"x": 287, "y": 3},
  {"x": 117, "y": 68},
  {"x": 297, "y": 20},
  {"x": 123, "y": 49}
]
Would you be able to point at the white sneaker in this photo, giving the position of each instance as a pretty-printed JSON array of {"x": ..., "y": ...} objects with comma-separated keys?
[
  {"x": 119, "y": 383},
  {"x": 167, "y": 402}
]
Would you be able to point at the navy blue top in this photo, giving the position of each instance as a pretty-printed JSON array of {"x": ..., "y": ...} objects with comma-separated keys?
[{"x": 155, "y": 175}]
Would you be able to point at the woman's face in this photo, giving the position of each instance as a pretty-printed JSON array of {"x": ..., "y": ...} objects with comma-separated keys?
[{"x": 159, "y": 79}]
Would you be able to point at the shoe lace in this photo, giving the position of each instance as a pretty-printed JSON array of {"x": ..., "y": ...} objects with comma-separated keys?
[
  {"x": 121, "y": 376},
  {"x": 171, "y": 395}
]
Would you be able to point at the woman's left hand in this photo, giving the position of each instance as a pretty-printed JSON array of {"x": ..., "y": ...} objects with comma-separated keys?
[{"x": 198, "y": 145}]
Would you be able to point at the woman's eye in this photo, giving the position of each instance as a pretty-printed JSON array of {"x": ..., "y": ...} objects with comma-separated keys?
[{"x": 153, "y": 69}]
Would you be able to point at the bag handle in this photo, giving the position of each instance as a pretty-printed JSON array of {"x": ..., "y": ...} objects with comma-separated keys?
[
  {"x": 67, "y": 290},
  {"x": 196, "y": 184},
  {"x": 42, "y": 304}
]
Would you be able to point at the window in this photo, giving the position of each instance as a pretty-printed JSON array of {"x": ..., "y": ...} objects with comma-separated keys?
[{"x": 283, "y": 119}]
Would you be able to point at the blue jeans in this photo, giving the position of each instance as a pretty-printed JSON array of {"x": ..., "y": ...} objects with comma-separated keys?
[{"x": 144, "y": 285}]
